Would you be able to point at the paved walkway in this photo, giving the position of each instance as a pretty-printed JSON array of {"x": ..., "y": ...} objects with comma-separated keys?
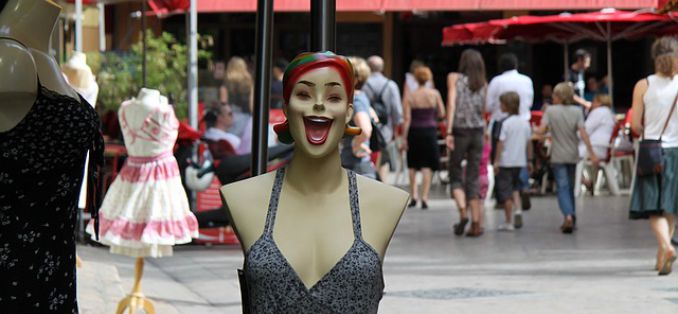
[{"x": 605, "y": 267}]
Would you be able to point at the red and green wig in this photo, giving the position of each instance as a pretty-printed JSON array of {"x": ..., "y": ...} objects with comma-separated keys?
[{"x": 304, "y": 63}]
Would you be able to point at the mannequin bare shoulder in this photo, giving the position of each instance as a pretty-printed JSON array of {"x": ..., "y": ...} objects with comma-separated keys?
[
  {"x": 18, "y": 94},
  {"x": 381, "y": 207},
  {"x": 246, "y": 204},
  {"x": 16, "y": 62}
]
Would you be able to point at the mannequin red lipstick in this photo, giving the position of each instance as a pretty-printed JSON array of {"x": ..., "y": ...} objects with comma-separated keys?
[{"x": 317, "y": 129}]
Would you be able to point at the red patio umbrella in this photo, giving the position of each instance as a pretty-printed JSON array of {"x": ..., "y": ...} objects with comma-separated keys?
[{"x": 607, "y": 25}]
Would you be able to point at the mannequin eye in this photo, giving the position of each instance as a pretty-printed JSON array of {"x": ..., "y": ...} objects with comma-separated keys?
[
  {"x": 334, "y": 98},
  {"x": 303, "y": 95}
]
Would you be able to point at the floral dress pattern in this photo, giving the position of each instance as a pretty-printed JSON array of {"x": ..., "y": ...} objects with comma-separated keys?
[{"x": 41, "y": 165}]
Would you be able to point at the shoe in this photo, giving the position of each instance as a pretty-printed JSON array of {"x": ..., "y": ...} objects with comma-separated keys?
[
  {"x": 424, "y": 205},
  {"x": 413, "y": 202},
  {"x": 475, "y": 230},
  {"x": 525, "y": 200},
  {"x": 667, "y": 267},
  {"x": 460, "y": 227},
  {"x": 567, "y": 227},
  {"x": 505, "y": 227},
  {"x": 574, "y": 222},
  {"x": 518, "y": 221}
]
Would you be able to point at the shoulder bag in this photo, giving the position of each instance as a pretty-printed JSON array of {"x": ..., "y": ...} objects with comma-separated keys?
[{"x": 650, "y": 152}]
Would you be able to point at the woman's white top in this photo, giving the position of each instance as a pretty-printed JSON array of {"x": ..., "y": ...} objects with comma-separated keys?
[
  {"x": 658, "y": 100},
  {"x": 600, "y": 125}
]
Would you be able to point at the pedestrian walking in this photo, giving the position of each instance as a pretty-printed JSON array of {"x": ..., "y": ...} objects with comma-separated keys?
[
  {"x": 655, "y": 195},
  {"x": 467, "y": 91},
  {"x": 564, "y": 120},
  {"x": 384, "y": 97},
  {"x": 510, "y": 80},
  {"x": 355, "y": 151},
  {"x": 513, "y": 148},
  {"x": 421, "y": 110}
]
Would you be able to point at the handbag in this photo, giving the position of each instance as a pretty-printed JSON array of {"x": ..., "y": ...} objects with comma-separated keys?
[
  {"x": 377, "y": 140},
  {"x": 650, "y": 152}
]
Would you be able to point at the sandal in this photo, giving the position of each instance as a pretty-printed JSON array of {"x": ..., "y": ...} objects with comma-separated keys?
[
  {"x": 667, "y": 267},
  {"x": 460, "y": 227},
  {"x": 475, "y": 230}
]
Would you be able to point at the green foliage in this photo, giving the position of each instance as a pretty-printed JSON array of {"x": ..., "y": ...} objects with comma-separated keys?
[
  {"x": 114, "y": 78},
  {"x": 120, "y": 75}
]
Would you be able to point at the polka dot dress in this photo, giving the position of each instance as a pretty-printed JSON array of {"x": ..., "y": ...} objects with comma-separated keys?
[{"x": 41, "y": 167}]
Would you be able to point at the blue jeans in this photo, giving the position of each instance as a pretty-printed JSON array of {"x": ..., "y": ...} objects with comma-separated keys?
[{"x": 564, "y": 175}]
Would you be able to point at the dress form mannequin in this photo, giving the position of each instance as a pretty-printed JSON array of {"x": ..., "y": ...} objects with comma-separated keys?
[
  {"x": 136, "y": 299},
  {"x": 146, "y": 211},
  {"x": 313, "y": 226},
  {"x": 31, "y": 22},
  {"x": 79, "y": 76}
]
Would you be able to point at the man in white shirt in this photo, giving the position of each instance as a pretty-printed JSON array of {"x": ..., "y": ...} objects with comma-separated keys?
[
  {"x": 510, "y": 81},
  {"x": 219, "y": 119}
]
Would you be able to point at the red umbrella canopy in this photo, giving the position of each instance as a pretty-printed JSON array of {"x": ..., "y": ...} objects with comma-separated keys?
[{"x": 602, "y": 25}]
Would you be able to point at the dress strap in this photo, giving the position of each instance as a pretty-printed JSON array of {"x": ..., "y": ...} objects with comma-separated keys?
[
  {"x": 273, "y": 202},
  {"x": 355, "y": 206}
]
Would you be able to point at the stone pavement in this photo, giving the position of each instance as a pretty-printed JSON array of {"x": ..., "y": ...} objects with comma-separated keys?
[{"x": 605, "y": 267}]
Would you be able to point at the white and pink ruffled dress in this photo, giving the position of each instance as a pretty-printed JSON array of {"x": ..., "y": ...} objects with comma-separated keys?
[{"x": 145, "y": 211}]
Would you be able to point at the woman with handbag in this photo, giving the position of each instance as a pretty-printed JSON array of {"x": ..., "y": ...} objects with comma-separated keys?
[{"x": 655, "y": 194}]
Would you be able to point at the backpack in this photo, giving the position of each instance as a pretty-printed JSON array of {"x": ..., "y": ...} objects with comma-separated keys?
[{"x": 379, "y": 106}]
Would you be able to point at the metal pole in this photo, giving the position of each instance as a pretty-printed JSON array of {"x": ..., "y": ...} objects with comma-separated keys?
[
  {"x": 323, "y": 25},
  {"x": 262, "y": 86},
  {"x": 143, "y": 43},
  {"x": 78, "y": 25},
  {"x": 193, "y": 64},
  {"x": 102, "y": 26},
  {"x": 609, "y": 64},
  {"x": 566, "y": 60}
]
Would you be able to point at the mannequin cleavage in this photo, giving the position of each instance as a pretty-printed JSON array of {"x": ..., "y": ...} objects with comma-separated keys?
[
  {"x": 48, "y": 74},
  {"x": 327, "y": 234}
]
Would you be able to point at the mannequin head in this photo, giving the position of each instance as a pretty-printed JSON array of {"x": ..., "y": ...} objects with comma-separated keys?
[
  {"x": 318, "y": 96},
  {"x": 77, "y": 71}
]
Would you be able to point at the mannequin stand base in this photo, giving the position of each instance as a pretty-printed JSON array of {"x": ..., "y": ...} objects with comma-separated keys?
[{"x": 134, "y": 302}]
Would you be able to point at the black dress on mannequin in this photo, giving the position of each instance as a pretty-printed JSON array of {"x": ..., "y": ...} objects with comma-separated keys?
[{"x": 41, "y": 166}]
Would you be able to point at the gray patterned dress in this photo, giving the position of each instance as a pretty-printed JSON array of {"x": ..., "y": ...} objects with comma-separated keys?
[{"x": 354, "y": 285}]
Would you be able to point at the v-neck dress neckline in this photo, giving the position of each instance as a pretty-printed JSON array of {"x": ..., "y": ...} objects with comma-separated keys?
[{"x": 353, "y": 285}]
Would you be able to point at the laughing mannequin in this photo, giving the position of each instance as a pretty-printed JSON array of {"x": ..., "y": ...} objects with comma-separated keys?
[
  {"x": 312, "y": 225},
  {"x": 25, "y": 30}
]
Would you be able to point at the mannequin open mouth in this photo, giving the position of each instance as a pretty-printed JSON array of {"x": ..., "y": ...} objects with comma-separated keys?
[{"x": 317, "y": 129}]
